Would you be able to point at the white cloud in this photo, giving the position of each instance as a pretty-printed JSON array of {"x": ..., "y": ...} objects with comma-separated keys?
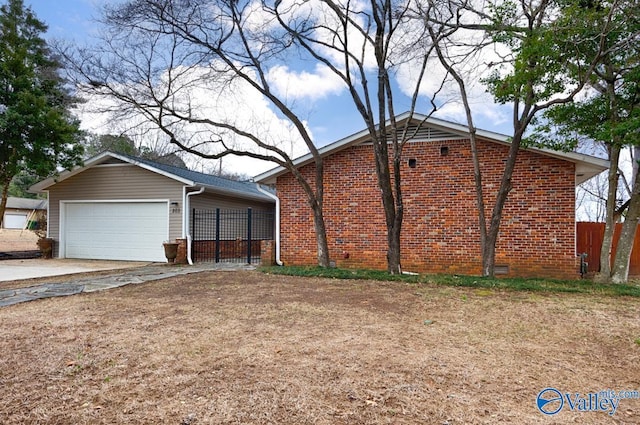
[
  {"x": 318, "y": 84},
  {"x": 199, "y": 95},
  {"x": 326, "y": 33},
  {"x": 206, "y": 94},
  {"x": 472, "y": 66}
]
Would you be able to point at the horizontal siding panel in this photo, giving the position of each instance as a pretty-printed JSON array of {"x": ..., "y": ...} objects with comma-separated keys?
[
  {"x": 211, "y": 202},
  {"x": 117, "y": 182}
]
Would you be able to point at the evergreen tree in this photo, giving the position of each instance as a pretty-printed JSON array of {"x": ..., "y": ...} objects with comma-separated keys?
[{"x": 37, "y": 132}]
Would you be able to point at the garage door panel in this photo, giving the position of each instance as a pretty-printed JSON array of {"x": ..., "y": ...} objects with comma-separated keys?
[{"x": 116, "y": 231}]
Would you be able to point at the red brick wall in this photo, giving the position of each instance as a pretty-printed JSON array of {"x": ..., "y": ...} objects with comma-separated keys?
[
  {"x": 440, "y": 231},
  {"x": 232, "y": 249}
]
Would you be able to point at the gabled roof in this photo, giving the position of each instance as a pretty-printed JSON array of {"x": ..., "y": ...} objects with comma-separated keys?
[
  {"x": 215, "y": 184},
  {"x": 436, "y": 129},
  {"x": 26, "y": 203}
]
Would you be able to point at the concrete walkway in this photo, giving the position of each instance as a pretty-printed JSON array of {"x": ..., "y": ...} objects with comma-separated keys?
[
  {"x": 115, "y": 280},
  {"x": 39, "y": 267}
]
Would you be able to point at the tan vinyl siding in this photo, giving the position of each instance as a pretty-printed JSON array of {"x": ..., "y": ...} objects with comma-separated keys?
[
  {"x": 116, "y": 182},
  {"x": 207, "y": 201},
  {"x": 234, "y": 228}
]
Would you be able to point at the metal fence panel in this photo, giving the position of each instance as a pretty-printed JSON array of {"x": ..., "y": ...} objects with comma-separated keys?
[{"x": 230, "y": 235}]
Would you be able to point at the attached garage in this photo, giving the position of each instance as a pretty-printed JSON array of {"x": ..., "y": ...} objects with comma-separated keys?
[
  {"x": 119, "y": 207},
  {"x": 115, "y": 230}
]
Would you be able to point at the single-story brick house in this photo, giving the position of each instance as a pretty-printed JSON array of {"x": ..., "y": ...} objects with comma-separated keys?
[
  {"x": 20, "y": 211},
  {"x": 119, "y": 207},
  {"x": 440, "y": 231}
]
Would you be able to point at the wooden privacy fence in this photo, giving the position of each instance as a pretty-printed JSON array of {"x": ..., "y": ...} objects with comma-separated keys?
[{"x": 589, "y": 240}]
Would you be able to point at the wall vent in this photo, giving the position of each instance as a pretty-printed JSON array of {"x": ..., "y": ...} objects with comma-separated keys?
[
  {"x": 426, "y": 133},
  {"x": 503, "y": 269}
]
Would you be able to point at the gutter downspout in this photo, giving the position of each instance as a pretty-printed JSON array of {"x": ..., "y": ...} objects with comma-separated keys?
[
  {"x": 185, "y": 220},
  {"x": 277, "y": 219}
]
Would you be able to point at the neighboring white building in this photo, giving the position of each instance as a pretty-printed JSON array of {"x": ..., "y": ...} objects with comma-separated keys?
[{"x": 20, "y": 211}]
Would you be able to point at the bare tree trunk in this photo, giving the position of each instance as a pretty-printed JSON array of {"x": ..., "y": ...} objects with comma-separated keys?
[
  {"x": 394, "y": 259},
  {"x": 321, "y": 238},
  {"x": 489, "y": 249},
  {"x": 607, "y": 240},
  {"x": 635, "y": 157},
  {"x": 620, "y": 269},
  {"x": 3, "y": 202},
  {"x": 614, "y": 157},
  {"x": 393, "y": 220},
  {"x": 486, "y": 251}
]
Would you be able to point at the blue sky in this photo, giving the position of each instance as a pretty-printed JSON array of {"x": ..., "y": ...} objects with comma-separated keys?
[
  {"x": 73, "y": 20},
  {"x": 331, "y": 114},
  {"x": 67, "y": 19}
]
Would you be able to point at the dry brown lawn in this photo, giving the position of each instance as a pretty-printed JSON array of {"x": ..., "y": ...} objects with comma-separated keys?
[
  {"x": 244, "y": 348},
  {"x": 17, "y": 240}
]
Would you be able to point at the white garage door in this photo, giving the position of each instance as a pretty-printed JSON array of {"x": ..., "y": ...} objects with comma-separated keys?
[
  {"x": 14, "y": 221},
  {"x": 116, "y": 230}
]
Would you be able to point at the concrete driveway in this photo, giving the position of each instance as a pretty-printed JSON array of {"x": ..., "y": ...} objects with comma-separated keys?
[{"x": 33, "y": 268}]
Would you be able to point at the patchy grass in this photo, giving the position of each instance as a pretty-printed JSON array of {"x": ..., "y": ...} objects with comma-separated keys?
[
  {"x": 253, "y": 348},
  {"x": 515, "y": 284}
]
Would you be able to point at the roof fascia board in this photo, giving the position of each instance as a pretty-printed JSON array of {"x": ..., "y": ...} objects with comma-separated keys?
[
  {"x": 159, "y": 171},
  {"x": 237, "y": 194},
  {"x": 305, "y": 159},
  {"x": 504, "y": 139},
  {"x": 97, "y": 160},
  {"x": 39, "y": 187},
  {"x": 270, "y": 175},
  {"x": 344, "y": 143}
]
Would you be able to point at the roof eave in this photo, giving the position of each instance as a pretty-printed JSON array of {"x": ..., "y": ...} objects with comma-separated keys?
[
  {"x": 586, "y": 166},
  {"x": 237, "y": 193},
  {"x": 269, "y": 176},
  {"x": 97, "y": 160},
  {"x": 155, "y": 170}
]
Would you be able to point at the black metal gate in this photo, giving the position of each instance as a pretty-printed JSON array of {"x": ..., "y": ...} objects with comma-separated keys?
[{"x": 233, "y": 236}]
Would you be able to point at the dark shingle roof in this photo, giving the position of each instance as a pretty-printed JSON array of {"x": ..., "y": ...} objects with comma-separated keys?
[
  {"x": 208, "y": 180},
  {"x": 26, "y": 204}
]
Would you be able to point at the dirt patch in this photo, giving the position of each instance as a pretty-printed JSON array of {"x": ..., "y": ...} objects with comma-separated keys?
[
  {"x": 12, "y": 240},
  {"x": 243, "y": 347}
]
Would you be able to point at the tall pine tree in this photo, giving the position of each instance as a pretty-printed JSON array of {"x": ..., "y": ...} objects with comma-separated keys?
[{"x": 37, "y": 132}]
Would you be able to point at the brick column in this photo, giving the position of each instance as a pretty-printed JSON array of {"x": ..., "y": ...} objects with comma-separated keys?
[
  {"x": 267, "y": 253},
  {"x": 182, "y": 251}
]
